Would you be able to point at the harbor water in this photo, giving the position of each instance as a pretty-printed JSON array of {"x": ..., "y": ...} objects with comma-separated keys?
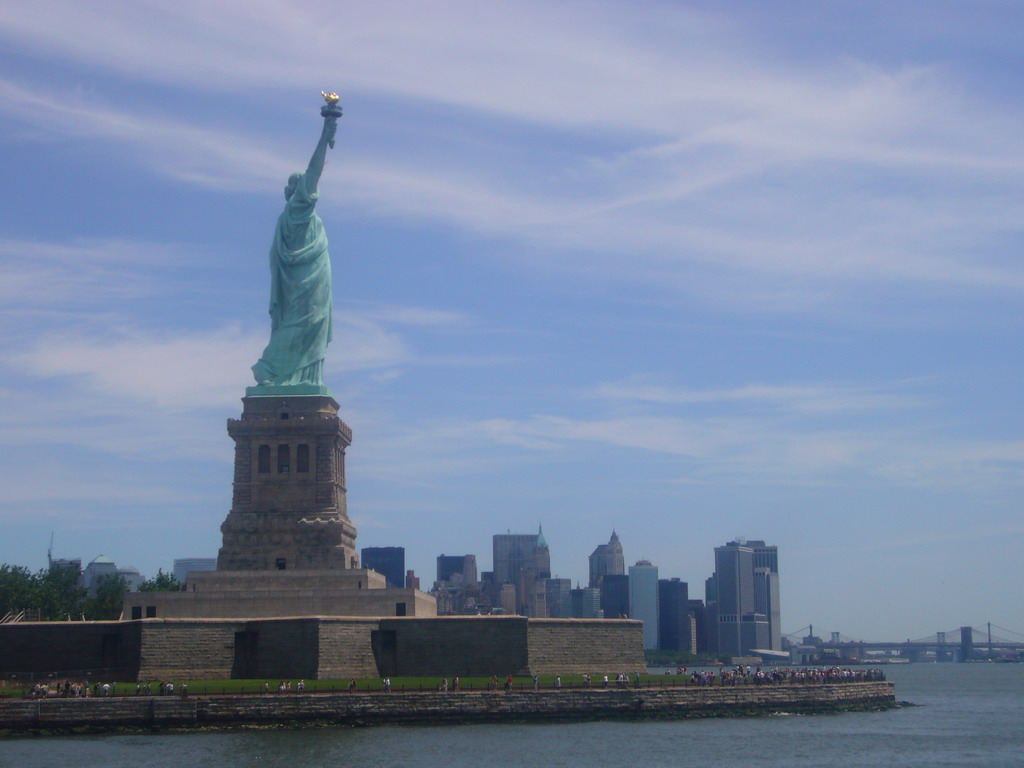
[{"x": 963, "y": 715}]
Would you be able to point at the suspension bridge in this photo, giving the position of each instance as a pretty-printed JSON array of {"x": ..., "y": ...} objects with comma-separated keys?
[{"x": 987, "y": 641}]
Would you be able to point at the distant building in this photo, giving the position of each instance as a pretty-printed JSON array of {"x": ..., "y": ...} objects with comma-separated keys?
[
  {"x": 643, "y": 599},
  {"x": 457, "y": 590},
  {"x": 711, "y": 616},
  {"x": 507, "y": 598},
  {"x": 72, "y": 564},
  {"x": 412, "y": 581},
  {"x": 607, "y": 560},
  {"x": 766, "y": 590},
  {"x": 738, "y": 626},
  {"x": 75, "y": 563},
  {"x": 511, "y": 553},
  {"x": 132, "y": 578},
  {"x": 615, "y": 596},
  {"x": 743, "y": 598},
  {"x": 450, "y": 565},
  {"x": 522, "y": 561},
  {"x": 536, "y": 596},
  {"x": 675, "y": 630},
  {"x": 586, "y": 603},
  {"x": 95, "y": 572},
  {"x": 387, "y": 561},
  {"x": 490, "y": 590},
  {"x": 700, "y": 627},
  {"x": 558, "y": 598},
  {"x": 447, "y": 599},
  {"x": 183, "y": 566}
]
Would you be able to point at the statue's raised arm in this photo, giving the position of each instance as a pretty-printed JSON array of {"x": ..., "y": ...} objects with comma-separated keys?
[
  {"x": 300, "y": 281},
  {"x": 331, "y": 113}
]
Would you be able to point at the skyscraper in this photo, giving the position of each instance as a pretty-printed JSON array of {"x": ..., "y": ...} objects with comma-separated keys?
[
  {"x": 558, "y": 598},
  {"x": 542, "y": 556},
  {"x": 388, "y": 561},
  {"x": 450, "y": 565},
  {"x": 183, "y": 566},
  {"x": 675, "y": 631},
  {"x": 615, "y": 596},
  {"x": 512, "y": 552},
  {"x": 699, "y": 615},
  {"x": 507, "y": 598},
  {"x": 743, "y": 598},
  {"x": 606, "y": 560},
  {"x": 456, "y": 589},
  {"x": 586, "y": 603},
  {"x": 643, "y": 599},
  {"x": 524, "y": 561},
  {"x": 766, "y": 589}
]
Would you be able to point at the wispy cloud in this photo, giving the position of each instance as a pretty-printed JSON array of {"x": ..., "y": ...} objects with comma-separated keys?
[
  {"x": 806, "y": 399},
  {"x": 83, "y": 273},
  {"x": 744, "y": 451},
  {"x": 414, "y": 316},
  {"x": 180, "y": 371},
  {"x": 172, "y": 146},
  {"x": 726, "y": 177}
]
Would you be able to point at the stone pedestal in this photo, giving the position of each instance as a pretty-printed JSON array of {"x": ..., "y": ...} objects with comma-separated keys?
[
  {"x": 253, "y": 594},
  {"x": 289, "y": 548},
  {"x": 288, "y": 508}
]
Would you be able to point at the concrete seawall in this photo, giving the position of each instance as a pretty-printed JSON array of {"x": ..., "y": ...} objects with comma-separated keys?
[{"x": 437, "y": 708}]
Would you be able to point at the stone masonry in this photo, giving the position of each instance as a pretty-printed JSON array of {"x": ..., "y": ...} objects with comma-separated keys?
[
  {"x": 433, "y": 708},
  {"x": 319, "y": 647},
  {"x": 288, "y": 547},
  {"x": 264, "y": 594},
  {"x": 288, "y": 507},
  {"x": 576, "y": 646}
]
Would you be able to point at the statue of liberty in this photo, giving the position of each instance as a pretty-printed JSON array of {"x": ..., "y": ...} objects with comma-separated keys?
[{"x": 300, "y": 281}]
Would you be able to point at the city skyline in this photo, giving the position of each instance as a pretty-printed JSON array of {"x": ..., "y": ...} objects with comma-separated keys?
[{"x": 682, "y": 272}]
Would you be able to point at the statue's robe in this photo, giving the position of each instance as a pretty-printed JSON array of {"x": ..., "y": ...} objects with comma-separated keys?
[{"x": 300, "y": 296}]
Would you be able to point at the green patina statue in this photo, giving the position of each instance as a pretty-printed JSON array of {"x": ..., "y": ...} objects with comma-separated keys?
[{"x": 300, "y": 282}]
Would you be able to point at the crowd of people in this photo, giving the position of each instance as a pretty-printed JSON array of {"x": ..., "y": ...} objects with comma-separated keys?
[
  {"x": 745, "y": 675},
  {"x": 74, "y": 690},
  {"x": 738, "y": 675},
  {"x": 64, "y": 690}
]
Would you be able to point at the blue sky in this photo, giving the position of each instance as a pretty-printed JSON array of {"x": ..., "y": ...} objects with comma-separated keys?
[{"x": 691, "y": 271}]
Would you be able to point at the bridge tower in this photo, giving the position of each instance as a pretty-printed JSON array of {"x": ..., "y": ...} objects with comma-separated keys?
[{"x": 966, "y": 643}]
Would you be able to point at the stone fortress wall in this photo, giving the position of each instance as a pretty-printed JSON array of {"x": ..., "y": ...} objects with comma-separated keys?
[
  {"x": 320, "y": 647},
  {"x": 579, "y": 646}
]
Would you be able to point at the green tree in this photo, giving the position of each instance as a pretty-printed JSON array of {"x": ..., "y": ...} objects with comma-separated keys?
[
  {"x": 17, "y": 589},
  {"x": 59, "y": 593},
  {"x": 109, "y": 600},
  {"x": 162, "y": 582}
]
